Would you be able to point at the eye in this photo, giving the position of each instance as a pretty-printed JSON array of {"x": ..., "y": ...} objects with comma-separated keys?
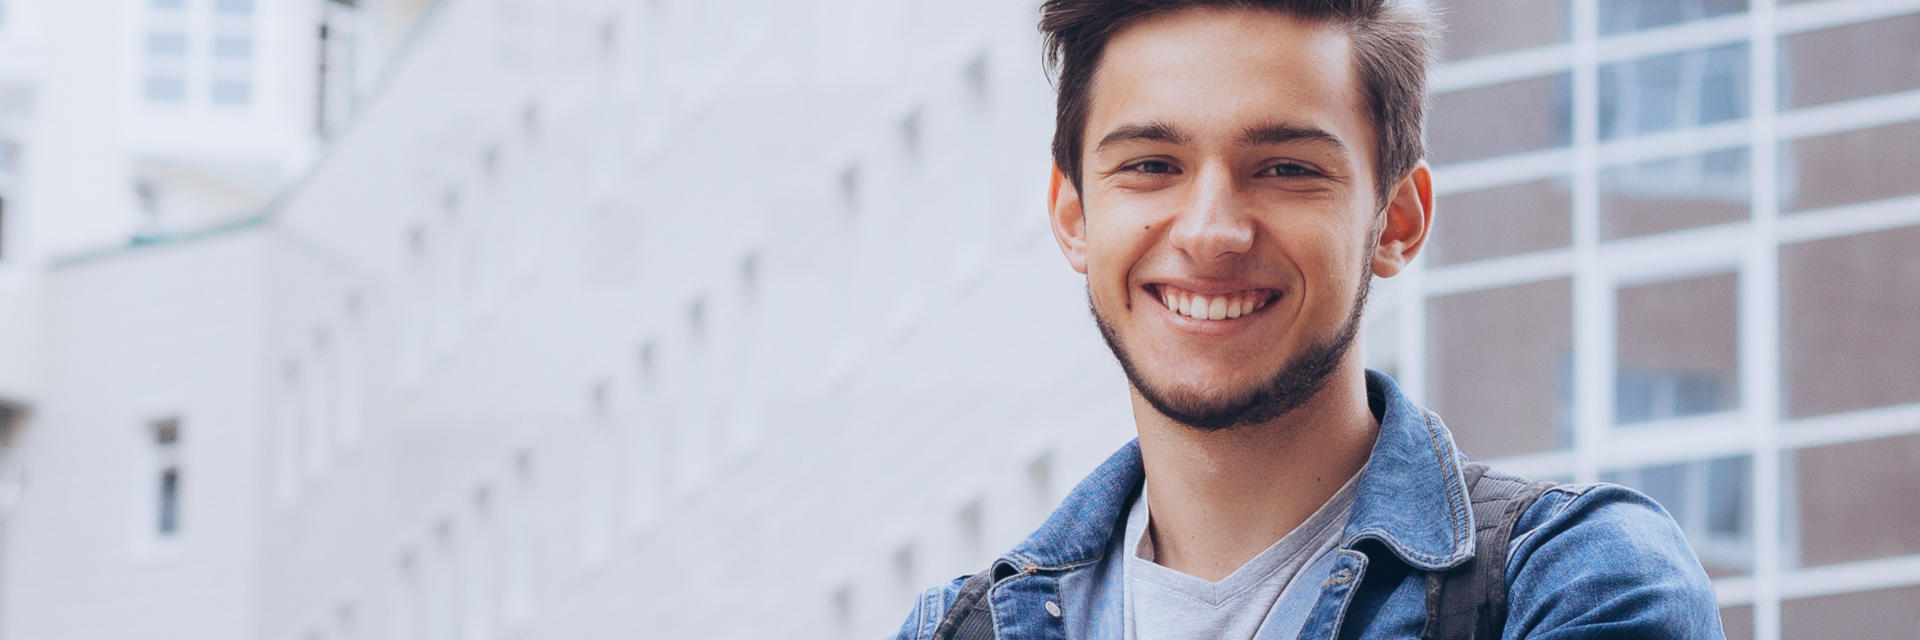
[
  {"x": 1288, "y": 170},
  {"x": 1155, "y": 167}
]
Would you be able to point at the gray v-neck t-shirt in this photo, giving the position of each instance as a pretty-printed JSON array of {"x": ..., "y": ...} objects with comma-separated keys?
[{"x": 1162, "y": 603}]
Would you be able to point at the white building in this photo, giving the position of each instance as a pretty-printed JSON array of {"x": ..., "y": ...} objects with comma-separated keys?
[{"x": 684, "y": 319}]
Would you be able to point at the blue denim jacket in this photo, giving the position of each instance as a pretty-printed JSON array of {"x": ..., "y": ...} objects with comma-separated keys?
[{"x": 1586, "y": 561}]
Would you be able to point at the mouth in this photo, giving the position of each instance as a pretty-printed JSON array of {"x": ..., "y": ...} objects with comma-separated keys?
[{"x": 1212, "y": 307}]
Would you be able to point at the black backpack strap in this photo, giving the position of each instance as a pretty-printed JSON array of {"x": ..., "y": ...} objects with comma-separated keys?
[
  {"x": 970, "y": 617},
  {"x": 1470, "y": 601}
]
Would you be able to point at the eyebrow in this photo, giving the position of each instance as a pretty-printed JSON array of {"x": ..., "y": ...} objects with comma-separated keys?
[
  {"x": 1155, "y": 131},
  {"x": 1283, "y": 133},
  {"x": 1261, "y": 134}
]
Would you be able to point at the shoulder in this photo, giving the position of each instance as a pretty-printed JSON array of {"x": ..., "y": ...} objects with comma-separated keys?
[
  {"x": 928, "y": 610},
  {"x": 1603, "y": 560}
]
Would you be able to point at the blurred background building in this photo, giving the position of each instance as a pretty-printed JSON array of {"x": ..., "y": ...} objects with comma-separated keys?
[{"x": 451, "y": 319}]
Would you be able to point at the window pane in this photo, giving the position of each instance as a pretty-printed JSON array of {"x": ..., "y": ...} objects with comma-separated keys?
[
  {"x": 1619, "y": 16},
  {"x": 232, "y": 47},
  {"x": 1849, "y": 167},
  {"x": 1710, "y": 501},
  {"x": 169, "y": 502},
  {"x": 233, "y": 6},
  {"x": 1675, "y": 90},
  {"x": 232, "y": 92},
  {"x": 1499, "y": 367},
  {"x": 1671, "y": 194},
  {"x": 1737, "y": 622},
  {"x": 1525, "y": 115},
  {"x": 1852, "y": 61},
  {"x": 1853, "y": 500},
  {"x": 166, "y": 88},
  {"x": 1480, "y": 27},
  {"x": 1678, "y": 350},
  {"x": 168, "y": 4},
  {"x": 1847, "y": 310},
  {"x": 1886, "y": 613},
  {"x": 1506, "y": 220},
  {"x": 166, "y": 43}
]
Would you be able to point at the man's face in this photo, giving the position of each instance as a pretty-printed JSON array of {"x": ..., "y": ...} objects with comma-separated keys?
[{"x": 1225, "y": 217}]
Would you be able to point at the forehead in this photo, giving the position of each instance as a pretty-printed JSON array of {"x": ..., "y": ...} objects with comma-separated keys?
[{"x": 1217, "y": 71}]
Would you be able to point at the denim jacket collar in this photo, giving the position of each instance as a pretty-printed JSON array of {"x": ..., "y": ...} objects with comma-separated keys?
[{"x": 1411, "y": 497}]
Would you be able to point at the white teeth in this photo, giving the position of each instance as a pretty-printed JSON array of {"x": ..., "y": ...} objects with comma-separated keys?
[{"x": 1213, "y": 308}]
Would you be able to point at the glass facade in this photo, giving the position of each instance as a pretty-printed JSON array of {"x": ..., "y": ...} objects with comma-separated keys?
[{"x": 1672, "y": 249}]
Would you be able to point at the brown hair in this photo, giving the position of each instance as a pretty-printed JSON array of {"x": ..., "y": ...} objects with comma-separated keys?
[{"x": 1392, "y": 44}]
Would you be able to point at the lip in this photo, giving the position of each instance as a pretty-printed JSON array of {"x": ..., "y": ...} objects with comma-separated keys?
[{"x": 1211, "y": 328}]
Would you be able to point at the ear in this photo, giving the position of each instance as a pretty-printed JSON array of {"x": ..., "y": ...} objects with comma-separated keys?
[
  {"x": 1069, "y": 220},
  {"x": 1409, "y": 214}
]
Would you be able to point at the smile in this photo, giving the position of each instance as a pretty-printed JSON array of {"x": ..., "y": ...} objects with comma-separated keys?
[{"x": 1221, "y": 306}]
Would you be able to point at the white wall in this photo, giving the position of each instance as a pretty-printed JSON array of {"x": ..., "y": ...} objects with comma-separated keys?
[
  {"x": 163, "y": 331},
  {"x": 909, "y": 347}
]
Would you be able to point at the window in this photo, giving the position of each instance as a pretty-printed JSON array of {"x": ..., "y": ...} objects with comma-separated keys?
[
  {"x": 230, "y": 81},
  {"x": 1513, "y": 399},
  {"x": 166, "y": 88},
  {"x": 166, "y": 50},
  {"x": 841, "y": 603},
  {"x": 1621, "y": 16},
  {"x": 232, "y": 47},
  {"x": 1846, "y": 322},
  {"x": 850, "y": 189},
  {"x": 334, "y": 79},
  {"x": 1852, "y": 61},
  {"x": 1677, "y": 353},
  {"x": 1501, "y": 221},
  {"x": 1834, "y": 505},
  {"x": 1881, "y": 613},
  {"x": 1666, "y": 92},
  {"x": 1482, "y": 27},
  {"x": 1524, "y": 115},
  {"x": 326, "y": 380},
  {"x": 3, "y": 228},
  {"x": 906, "y": 577},
  {"x": 232, "y": 92},
  {"x": 166, "y": 443},
  {"x": 166, "y": 43},
  {"x": 1674, "y": 193},
  {"x": 978, "y": 81},
  {"x": 1849, "y": 167},
  {"x": 169, "y": 5}
]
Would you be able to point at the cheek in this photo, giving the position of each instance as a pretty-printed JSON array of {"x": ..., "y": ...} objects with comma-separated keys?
[{"x": 1115, "y": 246}]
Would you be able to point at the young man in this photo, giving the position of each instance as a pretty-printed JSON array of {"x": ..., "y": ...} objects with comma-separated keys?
[{"x": 1229, "y": 176}]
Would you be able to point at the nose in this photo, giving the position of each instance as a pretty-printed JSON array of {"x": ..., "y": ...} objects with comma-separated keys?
[{"x": 1216, "y": 223}]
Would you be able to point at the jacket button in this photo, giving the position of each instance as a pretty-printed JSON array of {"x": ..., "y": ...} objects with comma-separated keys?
[{"x": 1053, "y": 608}]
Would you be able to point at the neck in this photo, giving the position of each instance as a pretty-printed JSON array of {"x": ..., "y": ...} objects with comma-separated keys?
[{"x": 1218, "y": 498}]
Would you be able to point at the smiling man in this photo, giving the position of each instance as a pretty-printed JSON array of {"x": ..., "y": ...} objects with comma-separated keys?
[{"x": 1230, "y": 176}]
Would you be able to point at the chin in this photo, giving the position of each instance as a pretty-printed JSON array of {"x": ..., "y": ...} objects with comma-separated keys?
[{"x": 1238, "y": 398}]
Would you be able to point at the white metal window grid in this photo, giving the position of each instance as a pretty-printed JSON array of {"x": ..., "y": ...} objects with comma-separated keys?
[
  {"x": 230, "y": 77},
  {"x": 165, "y": 25},
  {"x": 1748, "y": 247}
]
